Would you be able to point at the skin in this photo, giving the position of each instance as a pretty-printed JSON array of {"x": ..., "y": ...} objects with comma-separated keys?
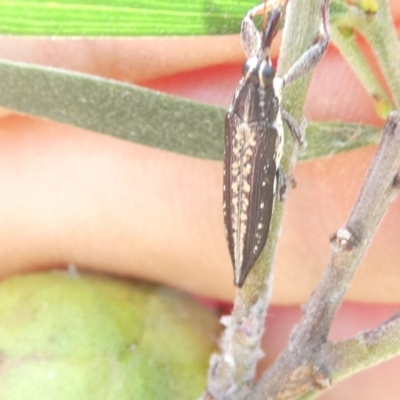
[{"x": 74, "y": 196}]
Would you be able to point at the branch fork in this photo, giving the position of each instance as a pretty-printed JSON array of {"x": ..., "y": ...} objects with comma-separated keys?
[{"x": 310, "y": 363}]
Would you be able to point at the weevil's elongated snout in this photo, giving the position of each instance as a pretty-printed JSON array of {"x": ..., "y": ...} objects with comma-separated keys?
[{"x": 270, "y": 31}]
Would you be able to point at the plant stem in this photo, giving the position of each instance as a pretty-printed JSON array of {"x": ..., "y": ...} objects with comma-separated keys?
[
  {"x": 366, "y": 349},
  {"x": 348, "y": 46},
  {"x": 379, "y": 31},
  {"x": 232, "y": 372},
  {"x": 381, "y": 35}
]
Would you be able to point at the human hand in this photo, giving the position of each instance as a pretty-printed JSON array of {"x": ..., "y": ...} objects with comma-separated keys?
[{"x": 73, "y": 196}]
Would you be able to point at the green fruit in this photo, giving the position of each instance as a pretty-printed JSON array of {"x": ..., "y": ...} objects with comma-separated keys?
[{"x": 87, "y": 337}]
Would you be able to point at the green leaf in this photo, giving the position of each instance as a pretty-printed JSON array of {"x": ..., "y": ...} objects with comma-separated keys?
[
  {"x": 144, "y": 116},
  {"x": 103, "y": 105},
  {"x": 330, "y": 138},
  {"x": 121, "y": 17}
]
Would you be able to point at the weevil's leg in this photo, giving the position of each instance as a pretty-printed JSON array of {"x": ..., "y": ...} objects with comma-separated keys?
[
  {"x": 282, "y": 181},
  {"x": 292, "y": 181},
  {"x": 250, "y": 37},
  {"x": 297, "y": 130},
  {"x": 265, "y": 7},
  {"x": 307, "y": 62},
  {"x": 281, "y": 185}
]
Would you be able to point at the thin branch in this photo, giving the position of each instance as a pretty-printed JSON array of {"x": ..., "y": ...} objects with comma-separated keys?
[
  {"x": 297, "y": 370},
  {"x": 380, "y": 33},
  {"x": 232, "y": 372},
  {"x": 345, "y": 41},
  {"x": 364, "y": 350}
]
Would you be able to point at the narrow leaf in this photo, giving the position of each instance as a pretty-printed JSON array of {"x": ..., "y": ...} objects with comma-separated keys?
[
  {"x": 122, "y": 110},
  {"x": 144, "y": 116},
  {"x": 329, "y": 138},
  {"x": 121, "y": 17}
]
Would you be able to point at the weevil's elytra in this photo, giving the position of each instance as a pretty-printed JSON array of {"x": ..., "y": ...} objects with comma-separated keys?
[{"x": 254, "y": 141}]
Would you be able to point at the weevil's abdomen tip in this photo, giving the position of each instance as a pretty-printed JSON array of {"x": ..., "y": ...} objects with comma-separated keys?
[
  {"x": 241, "y": 271},
  {"x": 239, "y": 281}
]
